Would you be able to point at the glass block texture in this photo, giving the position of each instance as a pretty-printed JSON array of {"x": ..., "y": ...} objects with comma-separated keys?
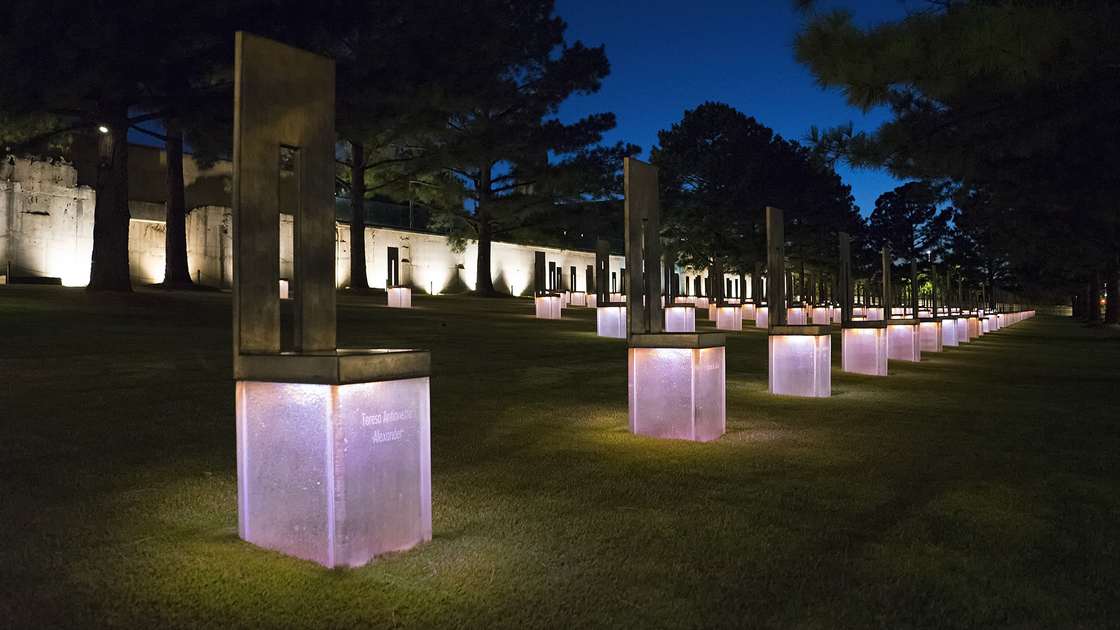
[
  {"x": 565, "y": 299},
  {"x": 400, "y": 297},
  {"x": 904, "y": 342},
  {"x": 993, "y": 323},
  {"x": 949, "y": 332},
  {"x": 929, "y": 336},
  {"x": 680, "y": 319},
  {"x": 985, "y": 325},
  {"x": 335, "y": 474},
  {"x": 875, "y": 314},
  {"x": 962, "y": 330},
  {"x": 821, "y": 315},
  {"x": 974, "y": 327},
  {"x": 579, "y": 298},
  {"x": 591, "y": 300},
  {"x": 800, "y": 365},
  {"x": 729, "y": 318},
  {"x": 762, "y": 317},
  {"x": 283, "y": 289},
  {"x": 611, "y": 321},
  {"x": 701, "y": 302},
  {"x": 678, "y": 393},
  {"x": 864, "y": 351},
  {"x": 837, "y": 315},
  {"x": 859, "y": 311},
  {"x": 797, "y": 316},
  {"x": 748, "y": 311},
  {"x": 548, "y": 306}
]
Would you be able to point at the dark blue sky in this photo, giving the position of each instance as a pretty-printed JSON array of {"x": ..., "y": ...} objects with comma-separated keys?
[{"x": 668, "y": 56}]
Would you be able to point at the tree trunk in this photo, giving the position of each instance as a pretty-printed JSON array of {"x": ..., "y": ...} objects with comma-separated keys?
[
  {"x": 1094, "y": 297},
  {"x": 1112, "y": 301},
  {"x": 175, "y": 269},
  {"x": 358, "y": 280},
  {"x": 109, "y": 264},
  {"x": 484, "y": 283}
]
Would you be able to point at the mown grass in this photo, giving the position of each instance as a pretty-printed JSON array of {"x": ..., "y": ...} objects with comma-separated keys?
[{"x": 977, "y": 489}]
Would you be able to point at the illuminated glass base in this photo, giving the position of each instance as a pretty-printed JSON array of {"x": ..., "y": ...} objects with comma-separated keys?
[
  {"x": 949, "y": 332},
  {"x": 748, "y": 311},
  {"x": 821, "y": 315},
  {"x": 702, "y": 303},
  {"x": 974, "y": 330},
  {"x": 864, "y": 351},
  {"x": 680, "y": 319},
  {"x": 578, "y": 298},
  {"x": 929, "y": 334},
  {"x": 678, "y": 393},
  {"x": 875, "y": 314},
  {"x": 283, "y": 289},
  {"x": 729, "y": 318},
  {"x": 400, "y": 297},
  {"x": 549, "y": 306},
  {"x": 611, "y": 321},
  {"x": 962, "y": 330},
  {"x": 797, "y": 316},
  {"x": 762, "y": 317},
  {"x": 591, "y": 300},
  {"x": 335, "y": 474},
  {"x": 800, "y": 365},
  {"x": 904, "y": 342}
]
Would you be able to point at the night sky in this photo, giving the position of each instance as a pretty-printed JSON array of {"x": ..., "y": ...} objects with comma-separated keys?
[{"x": 668, "y": 56}]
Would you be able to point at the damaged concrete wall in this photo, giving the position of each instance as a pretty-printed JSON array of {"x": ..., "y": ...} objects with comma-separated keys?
[{"x": 46, "y": 230}]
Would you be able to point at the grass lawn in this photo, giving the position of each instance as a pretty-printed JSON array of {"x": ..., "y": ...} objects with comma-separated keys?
[{"x": 979, "y": 488}]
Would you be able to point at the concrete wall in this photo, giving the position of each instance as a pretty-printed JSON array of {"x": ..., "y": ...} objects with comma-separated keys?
[{"x": 46, "y": 229}]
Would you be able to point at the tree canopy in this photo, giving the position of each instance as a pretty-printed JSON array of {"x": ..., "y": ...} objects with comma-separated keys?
[
  {"x": 1015, "y": 102},
  {"x": 719, "y": 169}
]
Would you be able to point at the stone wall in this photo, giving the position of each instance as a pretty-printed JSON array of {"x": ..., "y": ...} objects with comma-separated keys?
[{"x": 46, "y": 229}]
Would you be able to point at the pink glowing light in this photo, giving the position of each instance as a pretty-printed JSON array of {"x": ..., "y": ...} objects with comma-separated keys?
[
  {"x": 548, "y": 306},
  {"x": 800, "y": 365},
  {"x": 963, "y": 335},
  {"x": 749, "y": 311},
  {"x": 611, "y": 321},
  {"x": 821, "y": 315},
  {"x": 680, "y": 319},
  {"x": 335, "y": 474},
  {"x": 949, "y": 336},
  {"x": 904, "y": 342},
  {"x": 400, "y": 297},
  {"x": 929, "y": 335},
  {"x": 762, "y": 317},
  {"x": 864, "y": 351},
  {"x": 729, "y": 318},
  {"x": 678, "y": 393}
]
